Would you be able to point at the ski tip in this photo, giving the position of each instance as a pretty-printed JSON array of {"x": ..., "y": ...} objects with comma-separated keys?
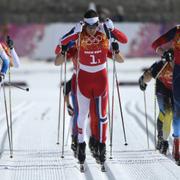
[
  {"x": 126, "y": 144},
  {"x": 27, "y": 89}
]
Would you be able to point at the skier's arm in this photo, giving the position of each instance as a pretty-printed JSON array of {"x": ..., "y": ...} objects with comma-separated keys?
[
  {"x": 119, "y": 36},
  {"x": 5, "y": 60},
  {"x": 147, "y": 76},
  {"x": 156, "y": 68},
  {"x": 165, "y": 38},
  {"x": 117, "y": 55},
  {"x": 15, "y": 57},
  {"x": 60, "y": 58},
  {"x": 115, "y": 33},
  {"x": 144, "y": 79},
  {"x": 60, "y": 53},
  {"x": 73, "y": 34},
  {"x": 10, "y": 43}
]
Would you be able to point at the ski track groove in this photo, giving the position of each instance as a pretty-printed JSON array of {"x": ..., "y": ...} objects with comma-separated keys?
[
  {"x": 151, "y": 119},
  {"x": 142, "y": 126},
  {"x": 151, "y": 136},
  {"x": 15, "y": 118},
  {"x": 19, "y": 106}
]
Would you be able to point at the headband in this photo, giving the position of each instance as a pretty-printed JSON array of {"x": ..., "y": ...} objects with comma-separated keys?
[{"x": 91, "y": 21}]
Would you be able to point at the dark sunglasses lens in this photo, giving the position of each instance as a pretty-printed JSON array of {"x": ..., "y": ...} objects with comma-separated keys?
[{"x": 92, "y": 26}]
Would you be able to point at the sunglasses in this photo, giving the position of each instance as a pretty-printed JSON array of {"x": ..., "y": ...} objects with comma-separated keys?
[{"x": 93, "y": 26}]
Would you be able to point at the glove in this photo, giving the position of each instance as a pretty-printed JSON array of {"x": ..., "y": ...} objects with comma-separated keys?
[
  {"x": 10, "y": 42},
  {"x": 142, "y": 84},
  {"x": 78, "y": 28},
  {"x": 109, "y": 24},
  {"x": 64, "y": 49},
  {"x": 2, "y": 76},
  {"x": 115, "y": 47},
  {"x": 168, "y": 55},
  {"x": 70, "y": 110}
]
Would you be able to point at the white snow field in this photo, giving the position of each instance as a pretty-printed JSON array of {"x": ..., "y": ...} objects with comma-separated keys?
[{"x": 35, "y": 117}]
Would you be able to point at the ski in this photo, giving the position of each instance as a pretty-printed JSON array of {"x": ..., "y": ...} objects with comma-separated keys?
[{"x": 82, "y": 168}]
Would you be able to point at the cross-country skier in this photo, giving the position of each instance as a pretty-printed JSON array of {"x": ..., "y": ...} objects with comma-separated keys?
[
  {"x": 4, "y": 63},
  {"x": 173, "y": 36},
  {"x": 92, "y": 76},
  {"x": 164, "y": 98},
  {"x": 71, "y": 50},
  {"x": 71, "y": 89}
]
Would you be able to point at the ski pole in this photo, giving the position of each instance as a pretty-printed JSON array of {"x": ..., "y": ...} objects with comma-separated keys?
[
  {"x": 108, "y": 34},
  {"x": 10, "y": 112},
  {"x": 112, "y": 110},
  {"x": 16, "y": 86},
  {"x": 7, "y": 120},
  {"x": 145, "y": 113},
  {"x": 64, "y": 105},
  {"x": 120, "y": 108},
  {"x": 155, "y": 119},
  {"x": 59, "y": 109},
  {"x": 109, "y": 113},
  {"x": 69, "y": 129}
]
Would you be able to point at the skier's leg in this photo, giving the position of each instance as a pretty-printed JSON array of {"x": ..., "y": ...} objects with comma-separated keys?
[
  {"x": 75, "y": 115},
  {"x": 101, "y": 105},
  {"x": 83, "y": 105},
  {"x": 160, "y": 120},
  {"x": 167, "y": 118},
  {"x": 74, "y": 123},
  {"x": 94, "y": 138},
  {"x": 176, "y": 115}
]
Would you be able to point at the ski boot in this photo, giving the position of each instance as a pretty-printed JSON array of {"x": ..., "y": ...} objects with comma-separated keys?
[
  {"x": 81, "y": 152},
  {"x": 91, "y": 143},
  {"x": 159, "y": 143},
  {"x": 176, "y": 150},
  {"x": 74, "y": 145},
  {"x": 102, "y": 155},
  {"x": 96, "y": 151},
  {"x": 164, "y": 147},
  {"x": 102, "y": 152}
]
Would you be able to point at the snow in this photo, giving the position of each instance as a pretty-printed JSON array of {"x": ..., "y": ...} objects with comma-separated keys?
[{"x": 35, "y": 115}]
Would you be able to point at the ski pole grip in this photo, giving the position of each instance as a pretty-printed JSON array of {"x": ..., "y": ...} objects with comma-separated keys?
[{"x": 106, "y": 31}]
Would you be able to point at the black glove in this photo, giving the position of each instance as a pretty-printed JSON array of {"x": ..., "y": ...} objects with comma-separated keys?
[
  {"x": 10, "y": 42},
  {"x": 64, "y": 49},
  {"x": 142, "y": 84},
  {"x": 1, "y": 77},
  {"x": 168, "y": 55},
  {"x": 70, "y": 110},
  {"x": 115, "y": 47}
]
